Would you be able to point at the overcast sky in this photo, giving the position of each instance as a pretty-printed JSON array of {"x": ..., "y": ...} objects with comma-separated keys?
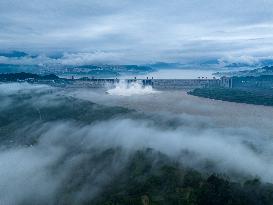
[{"x": 140, "y": 30}]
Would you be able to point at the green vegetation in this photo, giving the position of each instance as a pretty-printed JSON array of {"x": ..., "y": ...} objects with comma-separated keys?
[
  {"x": 142, "y": 177},
  {"x": 256, "y": 97},
  {"x": 38, "y": 108},
  {"x": 151, "y": 178},
  {"x": 13, "y": 77}
]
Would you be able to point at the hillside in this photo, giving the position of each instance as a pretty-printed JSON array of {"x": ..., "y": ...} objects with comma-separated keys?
[
  {"x": 13, "y": 77},
  {"x": 63, "y": 138},
  {"x": 267, "y": 70}
]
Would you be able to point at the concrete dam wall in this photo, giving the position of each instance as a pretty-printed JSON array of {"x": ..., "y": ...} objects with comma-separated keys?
[
  {"x": 159, "y": 84},
  {"x": 184, "y": 83}
]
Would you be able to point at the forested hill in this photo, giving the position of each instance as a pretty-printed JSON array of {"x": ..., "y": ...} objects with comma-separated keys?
[{"x": 11, "y": 77}]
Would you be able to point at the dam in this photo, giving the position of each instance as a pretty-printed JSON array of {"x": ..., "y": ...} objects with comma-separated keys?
[{"x": 159, "y": 84}]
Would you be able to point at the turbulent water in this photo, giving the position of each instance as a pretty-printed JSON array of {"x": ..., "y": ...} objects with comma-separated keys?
[
  {"x": 60, "y": 146},
  {"x": 135, "y": 88}
]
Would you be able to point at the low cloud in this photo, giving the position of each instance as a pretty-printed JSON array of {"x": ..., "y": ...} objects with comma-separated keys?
[
  {"x": 244, "y": 61},
  {"x": 66, "y": 59},
  {"x": 63, "y": 161}
]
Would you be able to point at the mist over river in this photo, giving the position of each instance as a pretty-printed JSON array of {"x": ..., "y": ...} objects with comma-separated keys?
[{"x": 68, "y": 145}]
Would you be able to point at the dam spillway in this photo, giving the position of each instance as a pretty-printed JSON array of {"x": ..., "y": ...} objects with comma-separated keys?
[{"x": 159, "y": 84}]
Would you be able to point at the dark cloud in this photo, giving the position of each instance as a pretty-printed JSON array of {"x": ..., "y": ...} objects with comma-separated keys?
[{"x": 139, "y": 31}]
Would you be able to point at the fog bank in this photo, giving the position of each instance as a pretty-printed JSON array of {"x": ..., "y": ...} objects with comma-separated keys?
[{"x": 72, "y": 154}]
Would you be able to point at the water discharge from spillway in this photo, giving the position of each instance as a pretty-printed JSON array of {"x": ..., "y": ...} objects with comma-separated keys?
[{"x": 124, "y": 88}]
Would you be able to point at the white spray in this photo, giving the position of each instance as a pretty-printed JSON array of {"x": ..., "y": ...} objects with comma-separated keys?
[{"x": 128, "y": 89}]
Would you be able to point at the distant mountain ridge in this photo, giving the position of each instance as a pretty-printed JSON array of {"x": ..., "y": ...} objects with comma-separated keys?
[
  {"x": 96, "y": 70},
  {"x": 13, "y": 54},
  {"x": 18, "y": 61},
  {"x": 64, "y": 64},
  {"x": 11, "y": 77},
  {"x": 263, "y": 71}
]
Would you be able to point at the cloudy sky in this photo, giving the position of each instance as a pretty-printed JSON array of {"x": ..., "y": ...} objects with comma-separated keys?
[{"x": 142, "y": 30}]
